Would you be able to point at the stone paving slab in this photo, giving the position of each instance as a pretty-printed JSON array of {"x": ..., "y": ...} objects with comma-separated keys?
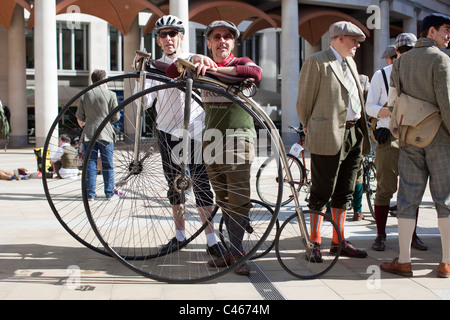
[{"x": 40, "y": 260}]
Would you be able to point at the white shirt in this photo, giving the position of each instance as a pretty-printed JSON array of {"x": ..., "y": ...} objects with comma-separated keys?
[
  {"x": 351, "y": 115},
  {"x": 170, "y": 107},
  {"x": 65, "y": 173},
  {"x": 377, "y": 96}
]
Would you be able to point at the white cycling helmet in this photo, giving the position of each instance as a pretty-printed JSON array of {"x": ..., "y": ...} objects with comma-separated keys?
[{"x": 167, "y": 22}]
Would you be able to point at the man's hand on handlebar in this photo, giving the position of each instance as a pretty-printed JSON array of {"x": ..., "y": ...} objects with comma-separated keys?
[{"x": 203, "y": 64}]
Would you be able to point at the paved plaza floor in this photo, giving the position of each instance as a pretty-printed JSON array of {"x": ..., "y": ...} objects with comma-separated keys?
[{"x": 40, "y": 260}]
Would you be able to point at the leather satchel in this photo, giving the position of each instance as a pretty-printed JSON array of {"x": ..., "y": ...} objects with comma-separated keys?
[{"x": 414, "y": 121}]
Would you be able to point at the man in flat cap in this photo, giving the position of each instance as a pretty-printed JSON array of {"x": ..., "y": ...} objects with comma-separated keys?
[
  {"x": 424, "y": 73},
  {"x": 331, "y": 108},
  {"x": 389, "y": 55}
]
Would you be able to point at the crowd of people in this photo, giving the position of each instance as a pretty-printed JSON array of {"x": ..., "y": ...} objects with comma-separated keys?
[
  {"x": 334, "y": 112},
  {"x": 331, "y": 108}
]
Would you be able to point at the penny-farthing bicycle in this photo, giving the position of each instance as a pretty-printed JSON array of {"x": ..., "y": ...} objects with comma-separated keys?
[{"x": 136, "y": 226}]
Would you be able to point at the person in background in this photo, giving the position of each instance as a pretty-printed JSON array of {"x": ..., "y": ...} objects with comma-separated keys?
[
  {"x": 64, "y": 161},
  {"x": 95, "y": 106}
]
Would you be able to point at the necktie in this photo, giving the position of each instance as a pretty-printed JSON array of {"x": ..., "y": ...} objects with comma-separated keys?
[{"x": 354, "y": 94}]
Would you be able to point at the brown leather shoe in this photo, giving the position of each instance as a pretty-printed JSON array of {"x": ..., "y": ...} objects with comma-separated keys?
[
  {"x": 243, "y": 269},
  {"x": 348, "y": 250},
  {"x": 402, "y": 269},
  {"x": 379, "y": 244},
  {"x": 417, "y": 244},
  {"x": 223, "y": 261},
  {"x": 227, "y": 260},
  {"x": 444, "y": 270},
  {"x": 357, "y": 216}
]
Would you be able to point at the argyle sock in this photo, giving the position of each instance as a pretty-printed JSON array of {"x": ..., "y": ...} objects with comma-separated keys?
[
  {"x": 338, "y": 215},
  {"x": 381, "y": 215}
]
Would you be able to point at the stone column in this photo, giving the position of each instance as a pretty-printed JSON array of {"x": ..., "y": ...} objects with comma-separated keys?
[
  {"x": 180, "y": 8},
  {"x": 131, "y": 43},
  {"x": 381, "y": 36},
  {"x": 17, "y": 78},
  {"x": 46, "y": 76},
  {"x": 290, "y": 66}
]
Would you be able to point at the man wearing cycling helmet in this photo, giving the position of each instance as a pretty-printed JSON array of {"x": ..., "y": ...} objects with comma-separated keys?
[
  {"x": 169, "y": 118},
  {"x": 230, "y": 181}
]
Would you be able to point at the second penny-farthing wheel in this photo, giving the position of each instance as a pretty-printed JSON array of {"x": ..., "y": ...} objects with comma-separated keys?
[{"x": 135, "y": 226}]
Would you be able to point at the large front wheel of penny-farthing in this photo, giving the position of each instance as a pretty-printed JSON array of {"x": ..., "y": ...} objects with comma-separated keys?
[
  {"x": 137, "y": 226},
  {"x": 296, "y": 257},
  {"x": 64, "y": 195}
]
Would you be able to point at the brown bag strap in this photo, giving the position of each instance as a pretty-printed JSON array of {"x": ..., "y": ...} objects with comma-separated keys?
[{"x": 399, "y": 90}]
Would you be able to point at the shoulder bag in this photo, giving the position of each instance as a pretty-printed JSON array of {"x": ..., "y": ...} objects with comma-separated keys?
[{"x": 413, "y": 121}]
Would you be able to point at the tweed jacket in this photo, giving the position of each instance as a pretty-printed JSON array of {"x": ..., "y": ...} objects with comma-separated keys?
[
  {"x": 95, "y": 106},
  {"x": 323, "y": 101},
  {"x": 425, "y": 74}
]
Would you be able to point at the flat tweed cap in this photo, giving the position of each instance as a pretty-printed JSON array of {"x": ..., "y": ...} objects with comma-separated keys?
[
  {"x": 346, "y": 28},
  {"x": 389, "y": 52}
]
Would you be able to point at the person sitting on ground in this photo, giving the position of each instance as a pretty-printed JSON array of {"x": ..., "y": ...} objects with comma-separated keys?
[{"x": 64, "y": 162}]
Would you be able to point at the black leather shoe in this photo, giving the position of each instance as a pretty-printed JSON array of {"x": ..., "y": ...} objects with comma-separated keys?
[
  {"x": 172, "y": 245},
  {"x": 314, "y": 255},
  {"x": 417, "y": 244},
  {"x": 379, "y": 243},
  {"x": 217, "y": 249},
  {"x": 348, "y": 250}
]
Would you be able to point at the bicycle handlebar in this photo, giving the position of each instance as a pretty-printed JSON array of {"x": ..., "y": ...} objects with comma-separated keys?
[
  {"x": 183, "y": 63},
  {"x": 298, "y": 130}
]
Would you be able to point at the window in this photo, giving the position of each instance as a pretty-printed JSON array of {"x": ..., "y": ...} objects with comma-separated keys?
[
  {"x": 200, "y": 42},
  {"x": 72, "y": 45},
  {"x": 250, "y": 48},
  {"x": 29, "y": 44},
  {"x": 115, "y": 49}
]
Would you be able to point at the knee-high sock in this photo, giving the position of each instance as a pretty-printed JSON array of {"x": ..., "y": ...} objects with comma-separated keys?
[
  {"x": 315, "y": 222},
  {"x": 444, "y": 228},
  {"x": 405, "y": 231},
  {"x": 338, "y": 216},
  {"x": 381, "y": 215}
]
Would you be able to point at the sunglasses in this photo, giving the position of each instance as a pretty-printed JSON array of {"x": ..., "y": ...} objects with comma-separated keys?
[
  {"x": 218, "y": 36},
  {"x": 171, "y": 34}
]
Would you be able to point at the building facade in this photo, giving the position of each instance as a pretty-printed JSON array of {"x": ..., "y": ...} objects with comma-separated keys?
[{"x": 51, "y": 47}]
